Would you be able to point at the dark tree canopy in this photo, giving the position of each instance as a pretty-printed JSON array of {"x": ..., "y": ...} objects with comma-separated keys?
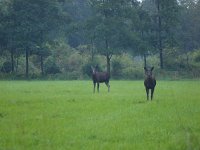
[{"x": 33, "y": 32}]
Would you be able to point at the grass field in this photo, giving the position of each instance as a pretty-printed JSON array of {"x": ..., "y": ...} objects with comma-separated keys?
[{"x": 61, "y": 115}]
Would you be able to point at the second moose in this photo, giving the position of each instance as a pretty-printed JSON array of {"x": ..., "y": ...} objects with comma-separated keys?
[
  {"x": 100, "y": 77},
  {"x": 149, "y": 82}
]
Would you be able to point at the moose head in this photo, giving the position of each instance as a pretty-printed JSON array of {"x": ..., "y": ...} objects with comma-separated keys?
[{"x": 148, "y": 72}]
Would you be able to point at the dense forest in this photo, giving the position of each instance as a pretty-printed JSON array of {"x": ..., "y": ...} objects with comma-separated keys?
[{"x": 62, "y": 39}]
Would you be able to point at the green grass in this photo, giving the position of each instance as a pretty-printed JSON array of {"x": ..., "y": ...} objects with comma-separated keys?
[{"x": 60, "y": 115}]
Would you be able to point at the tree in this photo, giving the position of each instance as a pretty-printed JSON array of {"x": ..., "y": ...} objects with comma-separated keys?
[
  {"x": 110, "y": 27},
  {"x": 52, "y": 20},
  {"x": 79, "y": 10},
  {"x": 165, "y": 16},
  {"x": 146, "y": 37},
  {"x": 189, "y": 25},
  {"x": 7, "y": 30},
  {"x": 34, "y": 22}
]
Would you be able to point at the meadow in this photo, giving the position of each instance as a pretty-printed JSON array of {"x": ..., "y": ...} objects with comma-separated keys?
[{"x": 62, "y": 115}]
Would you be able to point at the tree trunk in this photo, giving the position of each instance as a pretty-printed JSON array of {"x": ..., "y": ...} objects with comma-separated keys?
[
  {"x": 145, "y": 60},
  {"x": 27, "y": 67},
  {"x": 161, "y": 53},
  {"x": 12, "y": 59},
  {"x": 108, "y": 58},
  {"x": 187, "y": 60},
  {"x": 92, "y": 50},
  {"x": 92, "y": 46},
  {"x": 42, "y": 64},
  {"x": 159, "y": 35},
  {"x": 41, "y": 49},
  {"x": 17, "y": 62}
]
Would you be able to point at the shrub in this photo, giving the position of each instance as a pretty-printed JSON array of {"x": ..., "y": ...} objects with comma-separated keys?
[
  {"x": 74, "y": 62},
  {"x": 87, "y": 69},
  {"x": 117, "y": 67},
  {"x": 7, "y": 67},
  {"x": 50, "y": 66},
  {"x": 133, "y": 73},
  {"x": 197, "y": 56}
]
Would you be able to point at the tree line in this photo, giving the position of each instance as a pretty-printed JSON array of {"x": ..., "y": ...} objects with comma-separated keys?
[{"x": 45, "y": 37}]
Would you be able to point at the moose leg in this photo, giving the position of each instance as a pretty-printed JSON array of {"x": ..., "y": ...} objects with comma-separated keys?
[
  {"x": 107, "y": 84},
  {"x": 94, "y": 87},
  {"x": 152, "y": 90},
  {"x": 98, "y": 87},
  {"x": 147, "y": 91}
]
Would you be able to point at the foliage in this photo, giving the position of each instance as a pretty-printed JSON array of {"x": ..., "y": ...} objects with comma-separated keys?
[
  {"x": 80, "y": 33},
  {"x": 117, "y": 68},
  {"x": 125, "y": 68},
  {"x": 197, "y": 56},
  {"x": 87, "y": 69},
  {"x": 50, "y": 66},
  {"x": 7, "y": 67}
]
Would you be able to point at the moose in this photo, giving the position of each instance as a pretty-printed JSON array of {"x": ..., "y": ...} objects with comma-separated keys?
[
  {"x": 100, "y": 77},
  {"x": 149, "y": 82}
]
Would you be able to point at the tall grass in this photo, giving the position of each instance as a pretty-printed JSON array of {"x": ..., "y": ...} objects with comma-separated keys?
[{"x": 67, "y": 115}]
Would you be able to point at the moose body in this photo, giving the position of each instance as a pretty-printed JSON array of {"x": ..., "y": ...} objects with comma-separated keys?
[
  {"x": 100, "y": 77},
  {"x": 149, "y": 82}
]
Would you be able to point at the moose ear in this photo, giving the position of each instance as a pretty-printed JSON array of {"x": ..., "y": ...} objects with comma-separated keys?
[{"x": 152, "y": 68}]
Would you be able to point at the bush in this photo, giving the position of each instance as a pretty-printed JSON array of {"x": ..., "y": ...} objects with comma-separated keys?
[
  {"x": 87, "y": 69},
  {"x": 197, "y": 56},
  {"x": 50, "y": 66},
  {"x": 123, "y": 67},
  {"x": 7, "y": 67},
  {"x": 117, "y": 66},
  {"x": 74, "y": 62},
  {"x": 133, "y": 73}
]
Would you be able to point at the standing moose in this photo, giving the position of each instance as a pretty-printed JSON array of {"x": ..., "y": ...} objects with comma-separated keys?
[
  {"x": 149, "y": 82},
  {"x": 100, "y": 77}
]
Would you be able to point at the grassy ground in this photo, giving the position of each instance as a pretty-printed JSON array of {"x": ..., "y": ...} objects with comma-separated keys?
[{"x": 67, "y": 115}]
